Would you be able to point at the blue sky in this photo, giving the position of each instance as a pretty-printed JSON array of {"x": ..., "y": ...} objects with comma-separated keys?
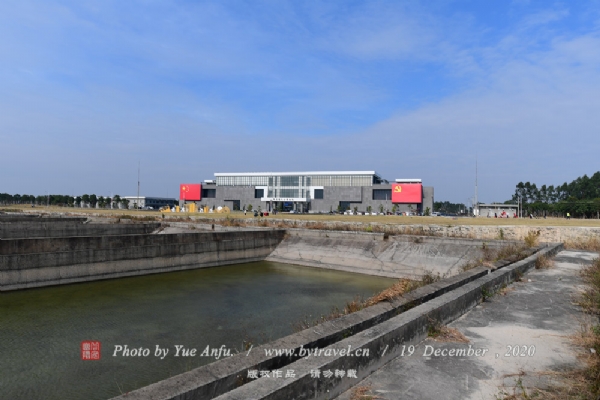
[{"x": 188, "y": 88}]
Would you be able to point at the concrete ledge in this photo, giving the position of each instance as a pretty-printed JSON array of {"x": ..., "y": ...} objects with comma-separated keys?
[
  {"x": 81, "y": 243},
  {"x": 115, "y": 257},
  {"x": 356, "y": 235},
  {"x": 67, "y": 228},
  {"x": 228, "y": 375},
  {"x": 38, "y": 218}
]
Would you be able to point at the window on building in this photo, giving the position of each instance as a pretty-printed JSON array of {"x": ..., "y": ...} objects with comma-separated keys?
[
  {"x": 382, "y": 194},
  {"x": 259, "y": 193},
  {"x": 318, "y": 193},
  {"x": 290, "y": 181},
  {"x": 209, "y": 193},
  {"x": 293, "y": 193}
]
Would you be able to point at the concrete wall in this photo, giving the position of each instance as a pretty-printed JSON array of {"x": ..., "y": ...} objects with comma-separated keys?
[
  {"x": 372, "y": 254},
  {"x": 66, "y": 228},
  {"x": 428, "y": 198},
  {"x": 38, "y": 217},
  {"x": 80, "y": 259},
  {"x": 549, "y": 234}
]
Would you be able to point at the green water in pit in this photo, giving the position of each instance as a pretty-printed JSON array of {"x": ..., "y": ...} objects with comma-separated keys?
[{"x": 41, "y": 330}]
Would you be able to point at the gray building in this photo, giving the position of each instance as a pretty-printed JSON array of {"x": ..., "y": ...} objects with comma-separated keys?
[
  {"x": 314, "y": 192},
  {"x": 147, "y": 201},
  {"x": 498, "y": 210}
]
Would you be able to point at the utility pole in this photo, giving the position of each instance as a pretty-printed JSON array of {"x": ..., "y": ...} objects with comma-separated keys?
[
  {"x": 476, "y": 205},
  {"x": 137, "y": 205},
  {"x": 521, "y": 206}
]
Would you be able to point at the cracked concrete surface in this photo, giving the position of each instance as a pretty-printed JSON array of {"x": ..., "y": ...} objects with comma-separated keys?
[{"x": 540, "y": 311}]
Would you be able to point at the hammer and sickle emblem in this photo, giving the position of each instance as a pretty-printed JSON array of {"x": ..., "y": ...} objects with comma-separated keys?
[{"x": 398, "y": 189}]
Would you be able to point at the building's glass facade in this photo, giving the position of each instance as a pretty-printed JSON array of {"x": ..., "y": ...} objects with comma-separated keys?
[
  {"x": 300, "y": 180},
  {"x": 242, "y": 180},
  {"x": 342, "y": 180}
]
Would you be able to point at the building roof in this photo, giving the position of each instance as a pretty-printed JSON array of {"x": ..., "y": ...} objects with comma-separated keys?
[
  {"x": 408, "y": 180},
  {"x": 296, "y": 173},
  {"x": 148, "y": 197}
]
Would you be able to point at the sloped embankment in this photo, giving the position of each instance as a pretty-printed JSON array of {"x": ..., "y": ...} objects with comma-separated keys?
[{"x": 399, "y": 256}]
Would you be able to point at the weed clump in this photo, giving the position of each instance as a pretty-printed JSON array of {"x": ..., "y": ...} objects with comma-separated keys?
[
  {"x": 532, "y": 238},
  {"x": 543, "y": 262},
  {"x": 486, "y": 294},
  {"x": 501, "y": 234},
  {"x": 393, "y": 292},
  {"x": 591, "y": 296},
  {"x": 402, "y": 287},
  {"x": 363, "y": 392},
  {"x": 511, "y": 252},
  {"x": 441, "y": 333}
]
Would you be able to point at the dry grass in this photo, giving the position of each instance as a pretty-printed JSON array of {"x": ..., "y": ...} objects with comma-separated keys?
[
  {"x": 446, "y": 334},
  {"x": 442, "y": 333},
  {"x": 571, "y": 385},
  {"x": 398, "y": 289},
  {"x": 544, "y": 262},
  {"x": 511, "y": 252},
  {"x": 393, "y": 292},
  {"x": 231, "y": 222},
  {"x": 389, "y": 219},
  {"x": 532, "y": 238},
  {"x": 363, "y": 392},
  {"x": 414, "y": 220},
  {"x": 402, "y": 287},
  {"x": 591, "y": 296},
  {"x": 589, "y": 244}
]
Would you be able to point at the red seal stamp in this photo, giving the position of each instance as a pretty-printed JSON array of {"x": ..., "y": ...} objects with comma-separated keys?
[{"x": 90, "y": 350}]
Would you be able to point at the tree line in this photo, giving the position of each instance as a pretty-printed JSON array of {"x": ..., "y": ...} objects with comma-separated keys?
[
  {"x": 86, "y": 200},
  {"x": 580, "y": 198}
]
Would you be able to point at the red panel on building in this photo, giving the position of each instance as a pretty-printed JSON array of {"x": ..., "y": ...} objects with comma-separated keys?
[
  {"x": 190, "y": 191},
  {"x": 407, "y": 193}
]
